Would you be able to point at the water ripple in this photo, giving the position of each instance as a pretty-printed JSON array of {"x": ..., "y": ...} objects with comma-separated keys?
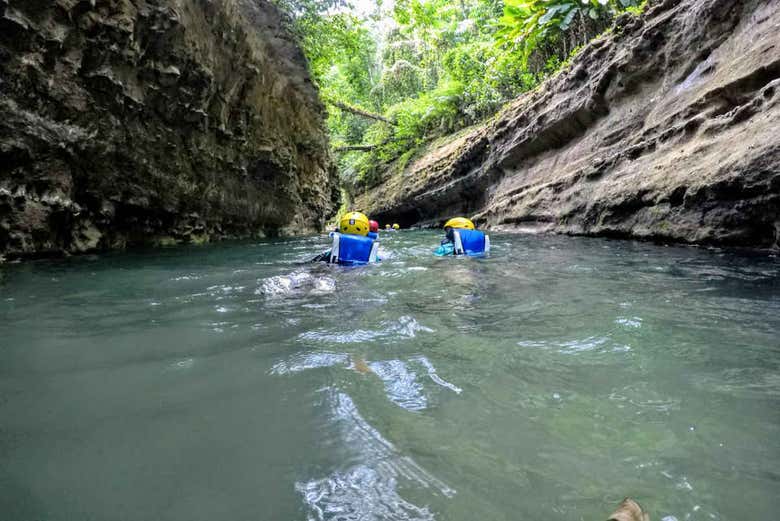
[
  {"x": 629, "y": 322},
  {"x": 642, "y": 397},
  {"x": 405, "y": 327},
  {"x": 367, "y": 490},
  {"x": 747, "y": 381},
  {"x": 435, "y": 377},
  {"x": 401, "y": 384},
  {"x": 400, "y": 381},
  {"x": 360, "y": 494},
  {"x": 349, "y": 337},
  {"x": 310, "y": 361},
  {"x": 596, "y": 344},
  {"x": 586, "y": 344}
]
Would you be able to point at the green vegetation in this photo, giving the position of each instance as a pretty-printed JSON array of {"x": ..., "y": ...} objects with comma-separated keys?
[{"x": 397, "y": 75}]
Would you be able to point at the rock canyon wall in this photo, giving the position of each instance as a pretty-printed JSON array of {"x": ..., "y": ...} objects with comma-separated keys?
[{"x": 128, "y": 122}]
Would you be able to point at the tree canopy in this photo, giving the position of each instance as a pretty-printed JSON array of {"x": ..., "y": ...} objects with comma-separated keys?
[{"x": 398, "y": 73}]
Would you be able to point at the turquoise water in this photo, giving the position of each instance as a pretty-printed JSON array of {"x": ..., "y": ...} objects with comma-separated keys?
[{"x": 231, "y": 382}]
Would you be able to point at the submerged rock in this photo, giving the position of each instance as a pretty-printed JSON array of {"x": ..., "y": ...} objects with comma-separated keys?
[
  {"x": 126, "y": 122},
  {"x": 664, "y": 128}
]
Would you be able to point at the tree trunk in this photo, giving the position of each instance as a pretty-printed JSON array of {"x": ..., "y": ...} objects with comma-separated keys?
[
  {"x": 359, "y": 112},
  {"x": 356, "y": 148},
  {"x": 362, "y": 148}
]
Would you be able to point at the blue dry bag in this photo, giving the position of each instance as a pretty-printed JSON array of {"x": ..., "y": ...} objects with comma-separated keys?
[
  {"x": 353, "y": 250},
  {"x": 471, "y": 242}
]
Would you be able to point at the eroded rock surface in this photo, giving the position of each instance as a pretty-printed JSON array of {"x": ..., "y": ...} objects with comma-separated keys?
[
  {"x": 667, "y": 128},
  {"x": 129, "y": 122}
]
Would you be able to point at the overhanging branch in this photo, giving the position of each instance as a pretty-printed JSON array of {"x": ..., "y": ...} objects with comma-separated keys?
[
  {"x": 356, "y": 148},
  {"x": 359, "y": 112},
  {"x": 363, "y": 148}
]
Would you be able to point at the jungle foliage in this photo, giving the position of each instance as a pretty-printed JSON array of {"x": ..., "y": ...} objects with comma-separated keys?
[{"x": 426, "y": 68}]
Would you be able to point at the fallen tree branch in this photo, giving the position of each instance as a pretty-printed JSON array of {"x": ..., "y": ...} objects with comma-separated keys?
[
  {"x": 359, "y": 112},
  {"x": 356, "y": 148},
  {"x": 363, "y": 148}
]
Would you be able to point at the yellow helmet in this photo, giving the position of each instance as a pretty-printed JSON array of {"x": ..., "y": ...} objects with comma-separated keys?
[
  {"x": 459, "y": 222},
  {"x": 387, "y": 226},
  {"x": 396, "y": 227},
  {"x": 354, "y": 223}
]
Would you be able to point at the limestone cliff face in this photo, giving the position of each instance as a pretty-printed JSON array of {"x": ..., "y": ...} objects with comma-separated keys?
[
  {"x": 129, "y": 122},
  {"x": 666, "y": 128}
]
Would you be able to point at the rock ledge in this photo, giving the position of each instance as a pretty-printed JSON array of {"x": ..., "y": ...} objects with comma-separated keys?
[{"x": 666, "y": 128}]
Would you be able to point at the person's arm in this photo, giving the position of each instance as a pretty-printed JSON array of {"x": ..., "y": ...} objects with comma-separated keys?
[
  {"x": 446, "y": 248},
  {"x": 322, "y": 257}
]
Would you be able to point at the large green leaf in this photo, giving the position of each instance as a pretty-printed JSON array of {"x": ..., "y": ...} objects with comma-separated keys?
[{"x": 564, "y": 25}]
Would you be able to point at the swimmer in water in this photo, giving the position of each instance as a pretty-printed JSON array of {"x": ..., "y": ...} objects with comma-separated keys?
[
  {"x": 462, "y": 238},
  {"x": 352, "y": 245},
  {"x": 373, "y": 230}
]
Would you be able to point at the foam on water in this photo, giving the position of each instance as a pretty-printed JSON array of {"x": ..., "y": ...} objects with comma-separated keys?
[{"x": 296, "y": 284}]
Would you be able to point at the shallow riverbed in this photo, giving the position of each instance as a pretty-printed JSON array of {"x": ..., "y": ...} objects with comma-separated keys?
[{"x": 547, "y": 382}]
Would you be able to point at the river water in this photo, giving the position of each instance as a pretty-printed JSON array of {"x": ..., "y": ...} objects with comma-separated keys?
[{"x": 547, "y": 382}]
